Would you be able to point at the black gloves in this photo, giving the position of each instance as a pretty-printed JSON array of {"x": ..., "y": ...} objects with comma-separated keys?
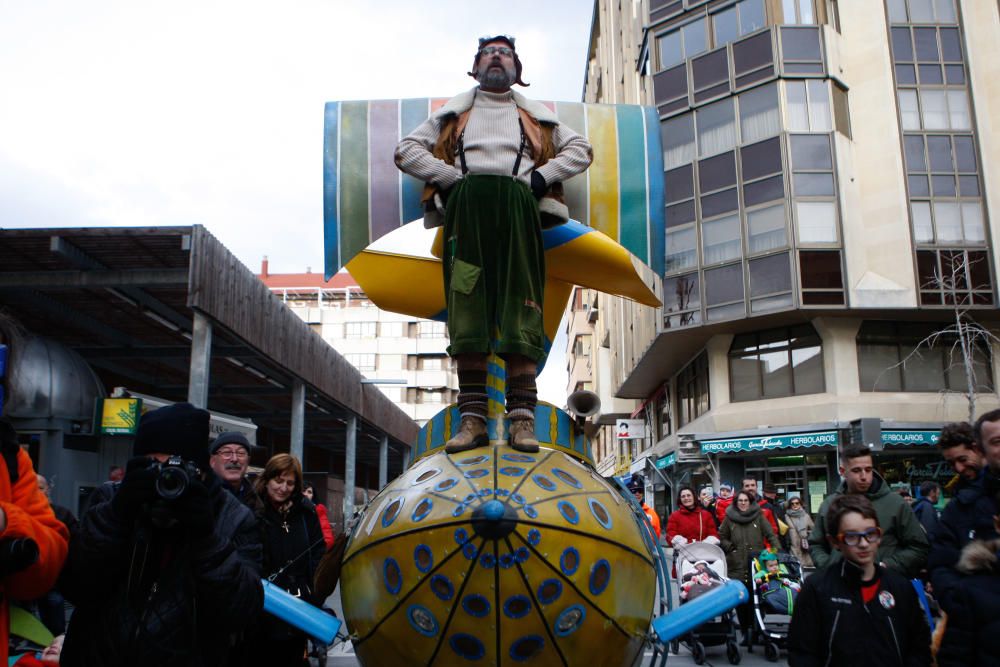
[
  {"x": 194, "y": 510},
  {"x": 138, "y": 489},
  {"x": 538, "y": 185}
]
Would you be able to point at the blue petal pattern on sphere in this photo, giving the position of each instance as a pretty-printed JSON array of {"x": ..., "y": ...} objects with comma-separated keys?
[
  {"x": 600, "y": 576},
  {"x": 526, "y": 648},
  {"x": 569, "y": 512},
  {"x": 423, "y": 558},
  {"x": 569, "y": 561},
  {"x": 600, "y": 513},
  {"x": 467, "y": 646},
  {"x": 422, "y": 620},
  {"x": 391, "y": 575}
]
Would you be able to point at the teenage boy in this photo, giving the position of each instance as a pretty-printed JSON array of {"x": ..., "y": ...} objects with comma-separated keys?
[
  {"x": 857, "y": 612},
  {"x": 904, "y": 544}
]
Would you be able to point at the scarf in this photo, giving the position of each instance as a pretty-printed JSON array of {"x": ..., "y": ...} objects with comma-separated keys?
[{"x": 737, "y": 516}]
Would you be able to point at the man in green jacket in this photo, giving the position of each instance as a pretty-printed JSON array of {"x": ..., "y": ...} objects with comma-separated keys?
[{"x": 904, "y": 546}]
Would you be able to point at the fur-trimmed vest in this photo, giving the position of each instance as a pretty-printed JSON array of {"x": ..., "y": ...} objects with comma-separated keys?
[{"x": 538, "y": 123}]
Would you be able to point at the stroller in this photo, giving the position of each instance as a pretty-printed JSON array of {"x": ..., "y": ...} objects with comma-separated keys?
[
  {"x": 701, "y": 567},
  {"x": 773, "y": 599}
]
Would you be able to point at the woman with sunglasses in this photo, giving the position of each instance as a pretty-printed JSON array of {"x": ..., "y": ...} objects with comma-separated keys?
[
  {"x": 856, "y": 612},
  {"x": 799, "y": 525}
]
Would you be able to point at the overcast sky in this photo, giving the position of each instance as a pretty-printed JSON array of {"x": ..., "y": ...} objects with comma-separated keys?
[{"x": 211, "y": 112}]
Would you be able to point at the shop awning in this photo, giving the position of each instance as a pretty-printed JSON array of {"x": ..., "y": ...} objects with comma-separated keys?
[{"x": 771, "y": 441}]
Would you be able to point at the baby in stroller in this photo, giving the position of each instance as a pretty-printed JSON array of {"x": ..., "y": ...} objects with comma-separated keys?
[
  {"x": 776, "y": 582},
  {"x": 698, "y": 580}
]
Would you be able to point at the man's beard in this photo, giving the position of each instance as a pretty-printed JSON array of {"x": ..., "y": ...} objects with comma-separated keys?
[{"x": 499, "y": 78}]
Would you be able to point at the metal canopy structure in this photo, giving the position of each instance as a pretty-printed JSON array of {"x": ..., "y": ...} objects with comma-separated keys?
[{"x": 170, "y": 312}]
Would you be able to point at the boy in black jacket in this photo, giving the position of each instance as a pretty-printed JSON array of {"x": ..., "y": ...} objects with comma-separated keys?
[{"x": 856, "y": 612}]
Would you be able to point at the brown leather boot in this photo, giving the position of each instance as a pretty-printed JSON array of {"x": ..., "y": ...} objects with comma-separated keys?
[
  {"x": 471, "y": 434},
  {"x": 522, "y": 435}
]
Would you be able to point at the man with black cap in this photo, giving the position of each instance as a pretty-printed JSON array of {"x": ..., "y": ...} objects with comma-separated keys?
[
  {"x": 637, "y": 485},
  {"x": 165, "y": 567},
  {"x": 229, "y": 457},
  {"x": 494, "y": 163}
]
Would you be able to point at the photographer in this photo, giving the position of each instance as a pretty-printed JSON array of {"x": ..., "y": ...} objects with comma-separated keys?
[
  {"x": 32, "y": 541},
  {"x": 165, "y": 567}
]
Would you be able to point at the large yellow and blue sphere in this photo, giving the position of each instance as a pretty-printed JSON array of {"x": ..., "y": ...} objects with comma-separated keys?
[{"x": 497, "y": 557}]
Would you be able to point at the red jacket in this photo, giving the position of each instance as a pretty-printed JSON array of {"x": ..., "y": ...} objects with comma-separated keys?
[
  {"x": 324, "y": 525},
  {"x": 28, "y": 514},
  {"x": 720, "y": 507},
  {"x": 694, "y": 525}
]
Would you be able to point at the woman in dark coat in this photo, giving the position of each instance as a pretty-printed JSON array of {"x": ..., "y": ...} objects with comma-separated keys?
[
  {"x": 744, "y": 534},
  {"x": 293, "y": 546}
]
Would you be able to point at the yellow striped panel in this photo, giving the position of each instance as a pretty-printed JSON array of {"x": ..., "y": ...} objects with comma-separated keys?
[{"x": 602, "y": 131}]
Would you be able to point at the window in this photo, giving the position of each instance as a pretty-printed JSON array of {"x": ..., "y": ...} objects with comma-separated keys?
[
  {"x": 710, "y": 75},
  {"x": 681, "y": 301},
  {"x": 812, "y": 178},
  {"x": 659, "y": 9},
  {"x": 432, "y": 396},
  {"x": 433, "y": 363},
  {"x": 770, "y": 283},
  {"x": 937, "y": 110},
  {"x": 759, "y": 114},
  {"x": 721, "y": 240},
  {"x": 670, "y": 89},
  {"x": 798, "y": 11},
  {"x": 427, "y": 329},
  {"x": 954, "y": 277},
  {"x": 753, "y": 59},
  {"x": 363, "y": 362},
  {"x": 724, "y": 292},
  {"x": 738, "y": 20},
  {"x": 692, "y": 390},
  {"x": 359, "y": 330},
  {"x": 821, "y": 279},
  {"x": 943, "y": 167},
  {"x": 581, "y": 345},
  {"x": 766, "y": 229},
  {"x": 392, "y": 362},
  {"x": 775, "y": 363},
  {"x": 687, "y": 41},
  {"x": 892, "y": 358},
  {"x": 841, "y": 112},
  {"x": 677, "y": 135},
  {"x": 801, "y": 52},
  {"x": 716, "y": 128},
  {"x": 922, "y": 11},
  {"x": 681, "y": 251},
  {"x": 808, "y": 104},
  {"x": 391, "y": 329}
]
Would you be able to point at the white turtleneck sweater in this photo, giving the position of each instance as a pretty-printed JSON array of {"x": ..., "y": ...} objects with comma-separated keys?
[{"x": 492, "y": 138}]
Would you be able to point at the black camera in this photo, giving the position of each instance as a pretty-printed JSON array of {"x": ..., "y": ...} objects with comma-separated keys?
[
  {"x": 173, "y": 477},
  {"x": 17, "y": 554}
]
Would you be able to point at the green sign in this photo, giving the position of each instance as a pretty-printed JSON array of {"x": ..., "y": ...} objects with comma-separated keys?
[
  {"x": 666, "y": 461},
  {"x": 765, "y": 442},
  {"x": 120, "y": 416},
  {"x": 910, "y": 437}
]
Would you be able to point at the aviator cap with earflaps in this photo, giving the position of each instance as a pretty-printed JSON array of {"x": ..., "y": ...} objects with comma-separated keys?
[{"x": 507, "y": 39}]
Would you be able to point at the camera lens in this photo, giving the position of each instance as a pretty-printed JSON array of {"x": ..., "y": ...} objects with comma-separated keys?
[{"x": 171, "y": 483}]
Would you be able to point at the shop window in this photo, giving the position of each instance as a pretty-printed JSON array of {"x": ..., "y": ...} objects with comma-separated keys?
[
  {"x": 801, "y": 52},
  {"x": 896, "y": 356},
  {"x": 821, "y": 278},
  {"x": 775, "y": 363},
  {"x": 692, "y": 390},
  {"x": 681, "y": 301},
  {"x": 954, "y": 277}
]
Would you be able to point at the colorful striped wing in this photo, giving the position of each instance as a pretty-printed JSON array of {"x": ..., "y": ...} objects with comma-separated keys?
[{"x": 366, "y": 197}]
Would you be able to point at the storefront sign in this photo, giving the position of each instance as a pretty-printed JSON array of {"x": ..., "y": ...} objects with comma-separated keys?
[
  {"x": 764, "y": 442},
  {"x": 666, "y": 461},
  {"x": 910, "y": 437},
  {"x": 120, "y": 416},
  {"x": 630, "y": 429}
]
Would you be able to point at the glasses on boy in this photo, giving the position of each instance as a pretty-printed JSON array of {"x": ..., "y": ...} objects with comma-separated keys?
[{"x": 853, "y": 538}]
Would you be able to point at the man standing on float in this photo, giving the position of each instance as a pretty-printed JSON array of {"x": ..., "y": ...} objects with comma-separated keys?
[{"x": 494, "y": 163}]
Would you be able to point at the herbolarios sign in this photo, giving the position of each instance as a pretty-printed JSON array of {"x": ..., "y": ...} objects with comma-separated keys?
[{"x": 762, "y": 442}]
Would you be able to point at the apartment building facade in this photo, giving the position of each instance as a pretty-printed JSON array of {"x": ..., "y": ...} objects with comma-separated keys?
[
  {"x": 830, "y": 179},
  {"x": 404, "y": 356}
]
